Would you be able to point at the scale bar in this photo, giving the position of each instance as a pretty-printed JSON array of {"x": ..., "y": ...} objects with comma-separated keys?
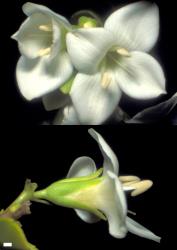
[{"x": 7, "y": 244}]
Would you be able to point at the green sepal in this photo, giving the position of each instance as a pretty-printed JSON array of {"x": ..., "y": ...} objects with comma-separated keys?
[
  {"x": 85, "y": 178},
  {"x": 11, "y": 231},
  {"x": 64, "y": 192},
  {"x": 66, "y": 87},
  {"x": 87, "y": 22}
]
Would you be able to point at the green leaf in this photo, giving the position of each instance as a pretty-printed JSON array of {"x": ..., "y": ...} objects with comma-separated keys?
[{"x": 11, "y": 231}]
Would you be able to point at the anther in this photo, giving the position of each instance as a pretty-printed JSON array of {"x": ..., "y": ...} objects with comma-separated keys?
[
  {"x": 123, "y": 52},
  {"x": 129, "y": 178},
  {"x": 46, "y": 28},
  {"x": 141, "y": 187},
  {"x": 106, "y": 80},
  {"x": 44, "y": 52}
]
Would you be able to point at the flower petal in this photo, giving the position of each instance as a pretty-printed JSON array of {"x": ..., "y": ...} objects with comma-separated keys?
[
  {"x": 31, "y": 39},
  {"x": 87, "y": 48},
  {"x": 141, "y": 76},
  {"x": 30, "y": 8},
  {"x": 38, "y": 77},
  {"x": 86, "y": 216},
  {"x": 66, "y": 116},
  {"x": 55, "y": 100},
  {"x": 113, "y": 204},
  {"x": 141, "y": 231},
  {"x": 110, "y": 160},
  {"x": 158, "y": 113},
  {"x": 82, "y": 166},
  {"x": 136, "y": 26},
  {"x": 119, "y": 190},
  {"x": 94, "y": 103}
]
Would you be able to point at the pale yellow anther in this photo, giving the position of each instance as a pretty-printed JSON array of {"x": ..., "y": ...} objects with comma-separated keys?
[
  {"x": 129, "y": 178},
  {"x": 129, "y": 183},
  {"x": 44, "y": 52},
  {"x": 141, "y": 187},
  {"x": 46, "y": 28},
  {"x": 106, "y": 80},
  {"x": 123, "y": 52}
]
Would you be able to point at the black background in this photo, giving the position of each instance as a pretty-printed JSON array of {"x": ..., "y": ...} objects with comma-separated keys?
[
  {"x": 27, "y": 113},
  {"x": 45, "y": 153}
]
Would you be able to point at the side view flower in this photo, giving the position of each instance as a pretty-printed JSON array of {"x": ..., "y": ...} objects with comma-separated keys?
[
  {"x": 93, "y": 194},
  {"x": 99, "y": 194}
]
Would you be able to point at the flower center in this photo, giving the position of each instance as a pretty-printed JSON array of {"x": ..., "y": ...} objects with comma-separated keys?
[
  {"x": 123, "y": 52},
  {"x": 44, "y": 52},
  {"x": 48, "y": 29}
]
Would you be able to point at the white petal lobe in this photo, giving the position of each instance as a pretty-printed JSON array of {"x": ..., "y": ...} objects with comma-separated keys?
[
  {"x": 86, "y": 216},
  {"x": 82, "y": 166},
  {"x": 87, "y": 48},
  {"x": 30, "y": 8},
  {"x": 141, "y": 231},
  {"x": 93, "y": 103},
  {"x": 110, "y": 160},
  {"x": 38, "y": 77},
  {"x": 141, "y": 76},
  {"x": 110, "y": 203},
  {"x": 136, "y": 26}
]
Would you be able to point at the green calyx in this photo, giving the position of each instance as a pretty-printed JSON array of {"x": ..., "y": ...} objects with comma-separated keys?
[
  {"x": 66, "y": 87},
  {"x": 73, "y": 192},
  {"x": 86, "y": 178},
  {"x": 87, "y": 22}
]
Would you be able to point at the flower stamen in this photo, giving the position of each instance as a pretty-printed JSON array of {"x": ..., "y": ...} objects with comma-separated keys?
[
  {"x": 44, "y": 52},
  {"x": 135, "y": 185},
  {"x": 141, "y": 187},
  {"x": 46, "y": 28},
  {"x": 129, "y": 178},
  {"x": 129, "y": 183},
  {"x": 106, "y": 80},
  {"x": 123, "y": 52}
]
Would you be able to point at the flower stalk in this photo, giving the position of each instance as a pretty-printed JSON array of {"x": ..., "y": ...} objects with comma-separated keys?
[{"x": 21, "y": 205}]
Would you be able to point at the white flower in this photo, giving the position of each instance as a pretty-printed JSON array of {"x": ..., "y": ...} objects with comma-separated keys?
[
  {"x": 44, "y": 65},
  {"x": 108, "y": 196},
  {"x": 114, "y": 59}
]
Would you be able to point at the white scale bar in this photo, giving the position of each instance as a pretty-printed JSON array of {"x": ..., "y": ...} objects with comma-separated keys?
[{"x": 7, "y": 244}]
